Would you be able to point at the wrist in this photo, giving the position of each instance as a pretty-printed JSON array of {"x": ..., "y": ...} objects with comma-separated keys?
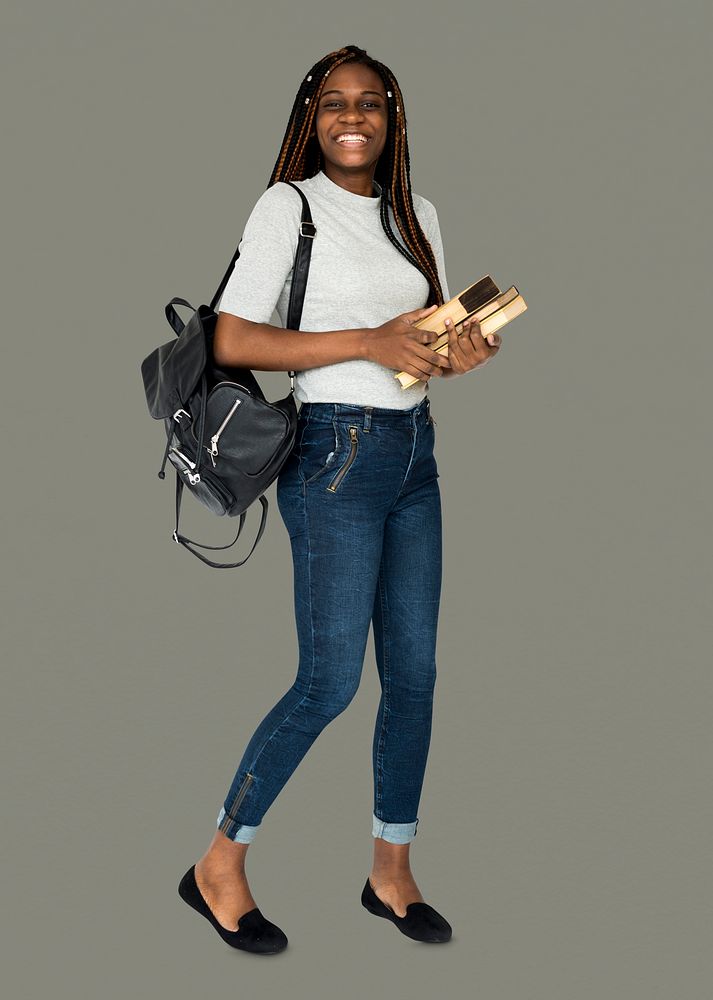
[{"x": 364, "y": 343}]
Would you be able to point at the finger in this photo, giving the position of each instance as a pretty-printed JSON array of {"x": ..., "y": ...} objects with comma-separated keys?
[
  {"x": 453, "y": 334},
  {"x": 416, "y": 314},
  {"x": 478, "y": 341},
  {"x": 415, "y": 373},
  {"x": 455, "y": 355},
  {"x": 431, "y": 360},
  {"x": 472, "y": 344},
  {"x": 419, "y": 367},
  {"x": 493, "y": 340}
]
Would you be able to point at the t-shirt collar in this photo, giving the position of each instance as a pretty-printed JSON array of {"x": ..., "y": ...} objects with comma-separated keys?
[{"x": 348, "y": 198}]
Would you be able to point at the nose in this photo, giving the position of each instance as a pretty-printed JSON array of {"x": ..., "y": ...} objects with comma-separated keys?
[{"x": 347, "y": 116}]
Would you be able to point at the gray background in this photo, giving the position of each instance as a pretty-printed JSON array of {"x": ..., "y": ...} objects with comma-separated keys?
[{"x": 566, "y": 819}]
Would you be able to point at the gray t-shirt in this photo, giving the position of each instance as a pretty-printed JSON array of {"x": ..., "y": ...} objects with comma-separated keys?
[{"x": 357, "y": 279}]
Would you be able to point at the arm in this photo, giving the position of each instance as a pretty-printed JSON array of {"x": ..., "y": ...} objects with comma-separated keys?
[
  {"x": 243, "y": 336},
  {"x": 242, "y": 343},
  {"x": 433, "y": 232}
]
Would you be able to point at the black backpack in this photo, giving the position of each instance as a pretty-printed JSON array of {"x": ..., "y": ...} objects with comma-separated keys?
[{"x": 226, "y": 442}]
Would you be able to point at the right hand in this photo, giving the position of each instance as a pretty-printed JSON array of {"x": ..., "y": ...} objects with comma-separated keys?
[{"x": 399, "y": 345}]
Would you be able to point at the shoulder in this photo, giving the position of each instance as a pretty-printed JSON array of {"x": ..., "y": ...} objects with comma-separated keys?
[
  {"x": 425, "y": 210},
  {"x": 279, "y": 200},
  {"x": 423, "y": 203}
]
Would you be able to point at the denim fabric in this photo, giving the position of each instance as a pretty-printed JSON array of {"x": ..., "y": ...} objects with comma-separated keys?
[{"x": 360, "y": 499}]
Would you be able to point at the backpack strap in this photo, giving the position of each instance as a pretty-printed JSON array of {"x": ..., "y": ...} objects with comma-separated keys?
[{"x": 300, "y": 272}]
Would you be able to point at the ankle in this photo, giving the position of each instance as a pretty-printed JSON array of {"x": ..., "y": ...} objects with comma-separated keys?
[
  {"x": 390, "y": 873},
  {"x": 227, "y": 857}
]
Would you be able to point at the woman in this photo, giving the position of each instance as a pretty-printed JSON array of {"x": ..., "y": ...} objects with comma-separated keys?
[{"x": 359, "y": 493}]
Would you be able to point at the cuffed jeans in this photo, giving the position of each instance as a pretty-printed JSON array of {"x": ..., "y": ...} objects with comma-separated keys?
[{"x": 360, "y": 499}]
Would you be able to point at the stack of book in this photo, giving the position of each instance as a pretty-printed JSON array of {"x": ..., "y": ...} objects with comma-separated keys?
[{"x": 483, "y": 300}]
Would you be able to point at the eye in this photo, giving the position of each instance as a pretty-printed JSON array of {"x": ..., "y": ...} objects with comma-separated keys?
[{"x": 331, "y": 104}]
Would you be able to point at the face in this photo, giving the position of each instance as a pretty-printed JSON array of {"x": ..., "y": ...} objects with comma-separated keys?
[{"x": 359, "y": 105}]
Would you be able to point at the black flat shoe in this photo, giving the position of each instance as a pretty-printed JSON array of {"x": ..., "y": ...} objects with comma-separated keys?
[
  {"x": 421, "y": 922},
  {"x": 255, "y": 933}
]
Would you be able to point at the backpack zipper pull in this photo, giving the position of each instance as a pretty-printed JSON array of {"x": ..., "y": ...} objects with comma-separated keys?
[{"x": 213, "y": 450}]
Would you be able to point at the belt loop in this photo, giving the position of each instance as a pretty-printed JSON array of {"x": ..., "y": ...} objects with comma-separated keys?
[{"x": 367, "y": 418}]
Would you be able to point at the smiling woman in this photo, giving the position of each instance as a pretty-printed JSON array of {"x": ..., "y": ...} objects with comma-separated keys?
[
  {"x": 359, "y": 494},
  {"x": 377, "y": 253}
]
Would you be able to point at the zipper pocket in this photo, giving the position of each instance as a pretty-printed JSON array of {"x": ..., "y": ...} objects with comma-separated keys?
[
  {"x": 350, "y": 458},
  {"x": 193, "y": 478},
  {"x": 213, "y": 450},
  {"x": 206, "y": 487}
]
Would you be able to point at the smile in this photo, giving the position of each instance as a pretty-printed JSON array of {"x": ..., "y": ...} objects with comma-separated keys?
[{"x": 352, "y": 139}]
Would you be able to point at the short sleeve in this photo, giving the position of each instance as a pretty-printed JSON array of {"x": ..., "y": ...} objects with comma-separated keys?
[
  {"x": 267, "y": 252},
  {"x": 432, "y": 229}
]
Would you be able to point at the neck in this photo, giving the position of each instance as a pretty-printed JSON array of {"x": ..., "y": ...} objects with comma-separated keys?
[{"x": 357, "y": 182}]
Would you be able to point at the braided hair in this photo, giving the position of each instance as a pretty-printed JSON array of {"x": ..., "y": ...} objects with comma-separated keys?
[{"x": 300, "y": 157}]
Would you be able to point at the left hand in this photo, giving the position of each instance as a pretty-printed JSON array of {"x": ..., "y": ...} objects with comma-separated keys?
[{"x": 471, "y": 349}]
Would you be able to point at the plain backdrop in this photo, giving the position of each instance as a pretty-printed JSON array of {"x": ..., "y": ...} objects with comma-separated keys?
[{"x": 566, "y": 815}]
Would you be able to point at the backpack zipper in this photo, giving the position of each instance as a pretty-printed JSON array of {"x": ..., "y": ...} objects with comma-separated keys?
[
  {"x": 213, "y": 450},
  {"x": 193, "y": 477}
]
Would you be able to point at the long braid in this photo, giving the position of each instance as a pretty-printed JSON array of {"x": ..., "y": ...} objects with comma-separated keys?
[{"x": 300, "y": 157}]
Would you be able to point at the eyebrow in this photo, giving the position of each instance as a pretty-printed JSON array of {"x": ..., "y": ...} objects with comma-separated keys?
[{"x": 377, "y": 92}]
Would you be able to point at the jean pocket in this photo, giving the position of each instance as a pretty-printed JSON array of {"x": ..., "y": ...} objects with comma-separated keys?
[{"x": 319, "y": 450}]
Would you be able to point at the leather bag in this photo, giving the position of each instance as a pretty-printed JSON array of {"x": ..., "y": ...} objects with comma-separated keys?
[{"x": 226, "y": 442}]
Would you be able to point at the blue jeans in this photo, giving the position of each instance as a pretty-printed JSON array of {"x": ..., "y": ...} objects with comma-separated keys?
[{"x": 360, "y": 499}]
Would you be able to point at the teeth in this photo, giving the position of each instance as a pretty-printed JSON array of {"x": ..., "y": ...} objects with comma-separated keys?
[{"x": 352, "y": 137}]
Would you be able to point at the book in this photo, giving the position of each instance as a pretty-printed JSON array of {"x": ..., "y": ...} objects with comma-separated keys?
[{"x": 483, "y": 299}]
